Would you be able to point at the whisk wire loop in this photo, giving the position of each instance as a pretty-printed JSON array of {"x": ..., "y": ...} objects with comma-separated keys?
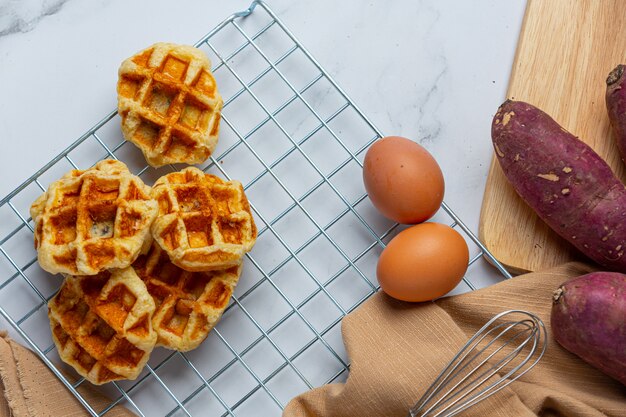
[{"x": 492, "y": 350}]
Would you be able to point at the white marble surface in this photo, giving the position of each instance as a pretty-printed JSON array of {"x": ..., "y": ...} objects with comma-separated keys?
[{"x": 433, "y": 71}]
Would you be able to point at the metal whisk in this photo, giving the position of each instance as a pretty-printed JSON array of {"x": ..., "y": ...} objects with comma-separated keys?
[{"x": 497, "y": 355}]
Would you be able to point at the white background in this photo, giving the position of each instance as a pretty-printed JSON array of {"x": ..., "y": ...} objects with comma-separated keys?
[{"x": 433, "y": 71}]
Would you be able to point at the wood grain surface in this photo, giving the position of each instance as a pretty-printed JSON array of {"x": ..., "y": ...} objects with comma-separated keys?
[{"x": 565, "y": 51}]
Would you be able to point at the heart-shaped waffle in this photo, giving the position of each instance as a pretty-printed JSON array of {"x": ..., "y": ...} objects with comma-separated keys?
[
  {"x": 102, "y": 324},
  {"x": 188, "y": 304},
  {"x": 93, "y": 220},
  {"x": 204, "y": 223}
]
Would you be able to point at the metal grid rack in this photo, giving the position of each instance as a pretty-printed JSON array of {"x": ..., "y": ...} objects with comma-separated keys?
[{"x": 296, "y": 141}]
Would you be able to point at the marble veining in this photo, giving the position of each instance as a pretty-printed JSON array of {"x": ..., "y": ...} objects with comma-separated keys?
[
  {"x": 23, "y": 16},
  {"x": 431, "y": 70},
  {"x": 429, "y": 124}
]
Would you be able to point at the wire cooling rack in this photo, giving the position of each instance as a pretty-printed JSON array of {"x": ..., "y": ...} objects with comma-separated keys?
[{"x": 295, "y": 139}]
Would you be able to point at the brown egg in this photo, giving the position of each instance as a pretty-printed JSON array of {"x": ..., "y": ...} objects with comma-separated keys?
[
  {"x": 423, "y": 262},
  {"x": 403, "y": 180}
]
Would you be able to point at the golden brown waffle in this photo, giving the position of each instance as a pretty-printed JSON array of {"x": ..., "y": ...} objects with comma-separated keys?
[
  {"x": 102, "y": 325},
  {"x": 188, "y": 304},
  {"x": 93, "y": 220},
  {"x": 169, "y": 104},
  {"x": 204, "y": 223}
]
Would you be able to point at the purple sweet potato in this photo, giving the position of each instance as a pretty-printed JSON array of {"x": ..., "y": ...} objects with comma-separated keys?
[
  {"x": 616, "y": 106},
  {"x": 589, "y": 319},
  {"x": 564, "y": 181}
]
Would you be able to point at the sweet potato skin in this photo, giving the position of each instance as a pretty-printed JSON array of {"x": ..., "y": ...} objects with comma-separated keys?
[
  {"x": 616, "y": 106},
  {"x": 564, "y": 181},
  {"x": 589, "y": 319}
]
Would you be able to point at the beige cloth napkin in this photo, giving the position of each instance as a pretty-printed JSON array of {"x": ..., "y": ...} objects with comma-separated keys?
[
  {"x": 30, "y": 389},
  {"x": 397, "y": 349}
]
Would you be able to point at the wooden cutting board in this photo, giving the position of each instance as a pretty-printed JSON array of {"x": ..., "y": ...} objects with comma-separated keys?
[{"x": 565, "y": 51}]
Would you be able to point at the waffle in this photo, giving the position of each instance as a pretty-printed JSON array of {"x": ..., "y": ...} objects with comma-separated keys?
[
  {"x": 188, "y": 304},
  {"x": 169, "y": 104},
  {"x": 93, "y": 220},
  {"x": 101, "y": 325},
  {"x": 204, "y": 223}
]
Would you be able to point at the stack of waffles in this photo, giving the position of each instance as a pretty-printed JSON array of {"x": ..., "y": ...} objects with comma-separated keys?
[
  {"x": 145, "y": 266},
  {"x": 203, "y": 229}
]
